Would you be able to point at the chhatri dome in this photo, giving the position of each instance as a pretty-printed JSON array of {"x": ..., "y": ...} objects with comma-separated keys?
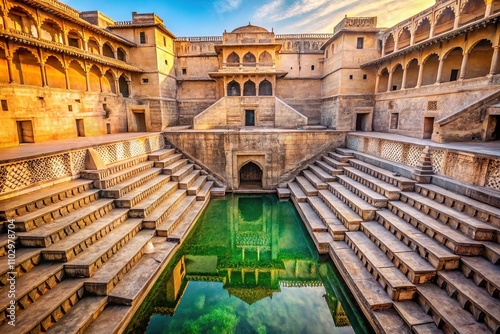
[{"x": 249, "y": 29}]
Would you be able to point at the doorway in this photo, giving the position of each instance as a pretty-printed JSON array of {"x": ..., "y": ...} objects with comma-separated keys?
[
  {"x": 494, "y": 122},
  {"x": 249, "y": 117},
  {"x": 362, "y": 121},
  {"x": 80, "y": 128},
  {"x": 428, "y": 127},
  {"x": 25, "y": 132},
  {"x": 140, "y": 121},
  {"x": 454, "y": 75},
  {"x": 250, "y": 176}
]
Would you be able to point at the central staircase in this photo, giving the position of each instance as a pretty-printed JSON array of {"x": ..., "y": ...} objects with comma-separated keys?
[
  {"x": 96, "y": 244},
  {"x": 418, "y": 258}
]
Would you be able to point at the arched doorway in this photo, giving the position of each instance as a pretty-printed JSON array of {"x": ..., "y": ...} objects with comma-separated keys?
[{"x": 250, "y": 176}]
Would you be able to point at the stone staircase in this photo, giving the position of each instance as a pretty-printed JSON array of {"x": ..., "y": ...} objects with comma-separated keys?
[
  {"x": 97, "y": 243},
  {"x": 417, "y": 257}
]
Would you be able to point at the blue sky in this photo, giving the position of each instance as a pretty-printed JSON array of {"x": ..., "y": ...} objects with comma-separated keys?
[{"x": 212, "y": 17}]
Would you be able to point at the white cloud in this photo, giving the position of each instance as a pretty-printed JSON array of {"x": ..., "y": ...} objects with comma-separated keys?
[
  {"x": 276, "y": 10},
  {"x": 222, "y": 6},
  {"x": 270, "y": 7}
]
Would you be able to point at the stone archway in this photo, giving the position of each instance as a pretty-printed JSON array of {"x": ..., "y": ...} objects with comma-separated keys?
[{"x": 250, "y": 176}]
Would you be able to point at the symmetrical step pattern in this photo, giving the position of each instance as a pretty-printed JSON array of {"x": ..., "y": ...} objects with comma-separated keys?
[
  {"x": 417, "y": 257},
  {"x": 89, "y": 244}
]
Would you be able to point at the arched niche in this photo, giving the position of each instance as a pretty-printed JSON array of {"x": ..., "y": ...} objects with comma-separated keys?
[
  {"x": 233, "y": 89},
  {"x": 249, "y": 88},
  {"x": 265, "y": 88},
  {"x": 250, "y": 176}
]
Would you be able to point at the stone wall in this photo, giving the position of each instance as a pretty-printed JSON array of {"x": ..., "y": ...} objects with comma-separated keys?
[
  {"x": 339, "y": 112},
  {"x": 281, "y": 154}
]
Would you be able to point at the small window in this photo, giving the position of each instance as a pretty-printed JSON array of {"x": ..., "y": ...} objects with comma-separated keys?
[
  {"x": 394, "y": 120},
  {"x": 142, "y": 36},
  {"x": 360, "y": 43},
  {"x": 312, "y": 67},
  {"x": 394, "y": 87},
  {"x": 145, "y": 80},
  {"x": 350, "y": 77},
  {"x": 326, "y": 54},
  {"x": 78, "y": 100},
  {"x": 365, "y": 77},
  {"x": 184, "y": 71},
  {"x": 70, "y": 107},
  {"x": 5, "y": 106},
  {"x": 164, "y": 41},
  {"x": 73, "y": 42},
  {"x": 454, "y": 75},
  {"x": 166, "y": 62}
]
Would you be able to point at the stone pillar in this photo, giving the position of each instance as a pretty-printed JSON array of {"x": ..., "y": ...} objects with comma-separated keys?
[
  {"x": 464, "y": 66},
  {"x": 396, "y": 43},
  {"x": 39, "y": 30},
  {"x": 412, "y": 38},
  {"x": 44, "y": 74},
  {"x": 494, "y": 61},
  {"x": 5, "y": 21},
  {"x": 115, "y": 54},
  {"x": 377, "y": 82},
  {"x": 489, "y": 8},
  {"x": 431, "y": 33},
  {"x": 67, "y": 78},
  {"x": 10, "y": 66},
  {"x": 440, "y": 71},
  {"x": 405, "y": 74},
  {"x": 117, "y": 86},
  {"x": 87, "y": 80},
  {"x": 420, "y": 75},
  {"x": 389, "y": 82},
  {"x": 129, "y": 85},
  {"x": 457, "y": 20},
  {"x": 383, "y": 48}
]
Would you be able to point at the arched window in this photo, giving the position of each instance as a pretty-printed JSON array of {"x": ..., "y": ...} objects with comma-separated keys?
[
  {"x": 122, "y": 55},
  {"x": 122, "y": 82},
  {"x": 233, "y": 89},
  {"x": 423, "y": 30},
  {"x": 75, "y": 40},
  {"x": 265, "y": 59},
  {"x": 265, "y": 88},
  {"x": 249, "y": 88},
  {"x": 51, "y": 31},
  {"x": 76, "y": 75},
  {"x": 478, "y": 64},
  {"x": 383, "y": 81},
  {"x": 26, "y": 68},
  {"x": 249, "y": 59},
  {"x": 21, "y": 20},
  {"x": 55, "y": 73},
  {"x": 108, "y": 82},
  {"x": 93, "y": 46},
  {"x": 445, "y": 21},
  {"x": 389, "y": 44},
  {"x": 233, "y": 59},
  {"x": 107, "y": 51},
  {"x": 430, "y": 70}
]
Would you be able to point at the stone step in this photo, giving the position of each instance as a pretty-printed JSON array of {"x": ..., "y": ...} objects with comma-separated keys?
[
  {"x": 125, "y": 186},
  {"x": 161, "y": 154},
  {"x": 320, "y": 173},
  {"x": 205, "y": 192},
  {"x": 415, "y": 317},
  {"x": 429, "y": 249},
  {"x": 51, "y": 212},
  {"x": 476, "y": 300},
  {"x": 81, "y": 316},
  {"x": 106, "y": 278},
  {"x": 116, "y": 178},
  {"x": 416, "y": 269},
  {"x": 311, "y": 219},
  {"x": 446, "y": 312},
  {"x": 345, "y": 151},
  {"x": 365, "y": 289},
  {"x": 335, "y": 163},
  {"x": 471, "y": 207},
  {"x": 136, "y": 283},
  {"x": 71, "y": 246},
  {"x": 314, "y": 180},
  {"x": 334, "y": 225},
  {"x": 168, "y": 160},
  {"x": 492, "y": 251},
  {"x": 187, "y": 220},
  {"x": 182, "y": 173},
  {"x": 389, "y": 321},
  {"x": 367, "y": 194},
  {"x": 22, "y": 204},
  {"x": 401, "y": 182},
  {"x": 347, "y": 216},
  {"x": 60, "y": 228},
  {"x": 381, "y": 187},
  {"x": 306, "y": 186},
  {"x": 340, "y": 157},
  {"x": 142, "y": 192},
  {"x": 30, "y": 287},
  {"x": 283, "y": 193},
  {"x": 26, "y": 259},
  {"x": 297, "y": 194},
  {"x": 186, "y": 182},
  {"x": 197, "y": 185},
  {"x": 114, "y": 168},
  {"x": 93, "y": 258},
  {"x": 48, "y": 309},
  {"x": 102, "y": 323},
  {"x": 483, "y": 272},
  {"x": 185, "y": 206},
  {"x": 218, "y": 191},
  {"x": 451, "y": 238},
  {"x": 175, "y": 166},
  {"x": 357, "y": 204},
  {"x": 148, "y": 205},
  {"x": 328, "y": 169},
  {"x": 470, "y": 226},
  {"x": 397, "y": 286},
  {"x": 164, "y": 210}
]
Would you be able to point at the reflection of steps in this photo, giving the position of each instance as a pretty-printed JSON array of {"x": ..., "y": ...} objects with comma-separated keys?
[
  {"x": 415, "y": 256},
  {"x": 87, "y": 245}
]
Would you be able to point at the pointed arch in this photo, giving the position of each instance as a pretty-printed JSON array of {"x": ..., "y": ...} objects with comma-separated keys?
[
  {"x": 423, "y": 30},
  {"x": 430, "y": 70},
  {"x": 108, "y": 82},
  {"x": 471, "y": 11},
  {"x": 4, "y": 72},
  {"x": 249, "y": 59},
  {"x": 123, "y": 85},
  {"x": 383, "y": 80},
  {"x": 404, "y": 38},
  {"x": 397, "y": 77},
  {"x": 76, "y": 75},
  {"x": 26, "y": 68},
  {"x": 265, "y": 59},
  {"x": 412, "y": 69},
  {"x": 75, "y": 39},
  {"x": 452, "y": 62},
  {"x": 93, "y": 45},
  {"x": 233, "y": 89},
  {"x": 265, "y": 88},
  {"x": 250, "y": 175},
  {"x": 479, "y": 61},
  {"x": 249, "y": 88},
  {"x": 445, "y": 21},
  {"x": 233, "y": 59},
  {"x": 22, "y": 20},
  {"x": 107, "y": 50},
  {"x": 389, "y": 44},
  {"x": 95, "y": 78},
  {"x": 51, "y": 31},
  {"x": 55, "y": 73},
  {"x": 121, "y": 54}
]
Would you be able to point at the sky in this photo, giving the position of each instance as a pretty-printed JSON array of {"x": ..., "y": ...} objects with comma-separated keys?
[{"x": 212, "y": 17}]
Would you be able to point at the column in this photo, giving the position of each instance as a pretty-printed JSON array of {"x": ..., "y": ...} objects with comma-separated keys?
[
  {"x": 115, "y": 53},
  {"x": 117, "y": 86},
  {"x": 457, "y": 20},
  {"x": 431, "y": 33},
  {"x": 494, "y": 61},
  {"x": 420, "y": 75},
  {"x": 383, "y": 47},
  {"x": 389, "y": 82},
  {"x": 129, "y": 85},
  {"x": 68, "y": 86},
  {"x": 464, "y": 66},
  {"x": 403, "y": 82},
  {"x": 440, "y": 71},
  {"x": 489, "y": 8},
  {"x": 10, "y": 65},
  {"x": 412, "y": 37},
  {"x": 396, "y": 42},
  {"x": 87, "y": 80},
  {"x": 5, "y": 22},
  {"x": 377, "y": 82},
  {"x": 44, "y": 75}
]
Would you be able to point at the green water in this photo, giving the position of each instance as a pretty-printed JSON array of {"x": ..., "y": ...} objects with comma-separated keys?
[{"x": 249, "y": 266}]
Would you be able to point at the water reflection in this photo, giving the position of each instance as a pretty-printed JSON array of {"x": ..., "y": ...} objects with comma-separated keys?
[{"x": 248, "y": 267}]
